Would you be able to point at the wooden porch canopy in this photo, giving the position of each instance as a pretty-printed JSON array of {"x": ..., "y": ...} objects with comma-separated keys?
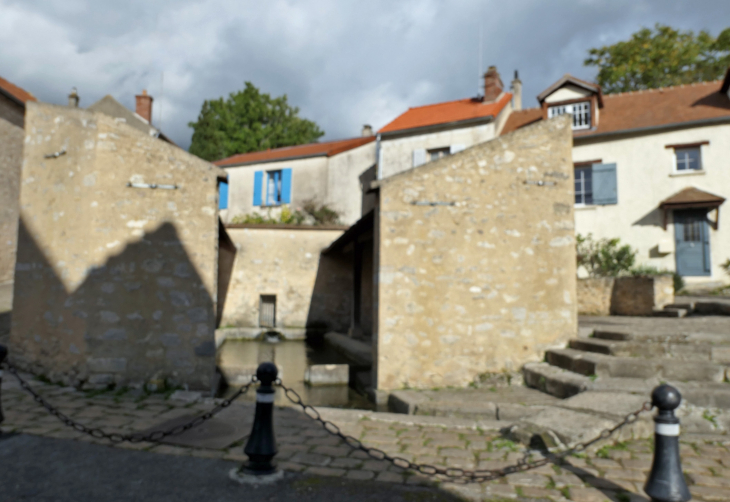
[{"x": 692, "y": 198}]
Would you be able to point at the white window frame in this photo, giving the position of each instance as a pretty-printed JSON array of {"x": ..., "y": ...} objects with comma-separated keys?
[
  {"x": 274, "y": 177},
  {"x": 580, "y": 121},
  {"x": 582, "y": 183},
  {"x": 687, "y": 171}
]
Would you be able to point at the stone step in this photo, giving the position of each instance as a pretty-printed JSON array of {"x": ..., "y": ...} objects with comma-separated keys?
[
  {"x": 591, "y": 363},
  {"x": 678, "y": 337},
  {"x": 712, "y": 308},
  {"x": 554, "y": 381},
  {"x": 716, "y": 353},
  {"x": 671, "y": 312}
]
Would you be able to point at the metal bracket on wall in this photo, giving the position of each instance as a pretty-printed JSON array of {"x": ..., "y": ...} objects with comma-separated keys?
[
  {"x": 152, "y": 185},
  {"x": 539, "y": 183},
  {"x": 55, "y": 155},
  {"x": 431, "y": 203}
]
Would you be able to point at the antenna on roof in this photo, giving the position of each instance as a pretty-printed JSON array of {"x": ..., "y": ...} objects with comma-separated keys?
[{"x": 479, "y": 62}]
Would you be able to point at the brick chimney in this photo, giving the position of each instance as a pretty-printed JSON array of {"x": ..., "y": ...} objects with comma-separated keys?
[
  {"x": 144, "y": 106},
  {"x": 493, "y": 85},
  {"x": 73, "y": 98},
  {"x": 367, "y": 130}
]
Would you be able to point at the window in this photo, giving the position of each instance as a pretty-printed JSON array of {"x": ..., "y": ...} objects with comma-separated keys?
[
  {"x": 581, "y": 113},
  {"x": 584, "y": 185},
  {"x": 273, "y": 188},
  {"x": 688, "y": 159},
  {"x": 438, "y": 153}
]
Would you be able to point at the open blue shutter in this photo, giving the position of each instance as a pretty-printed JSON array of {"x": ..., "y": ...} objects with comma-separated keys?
[
  {"x": 605, "y": 188},
  {"x": 258, "y": 181},
  {"x": 223, "y": 194},
  {"x": 285, "y": 186}
]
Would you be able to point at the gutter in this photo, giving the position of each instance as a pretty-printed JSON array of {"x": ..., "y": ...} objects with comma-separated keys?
[
  {"x": 266, "y": 161},
  {"x": 649, "y": 129},
  {"x": 436, "y": 127},
  {"x": 378, "y": 158}
]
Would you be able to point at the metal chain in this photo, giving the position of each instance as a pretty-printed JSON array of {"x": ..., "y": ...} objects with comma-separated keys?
[
  {"x": 457, "y": 474},
  {"x": 153, "y": 437}
]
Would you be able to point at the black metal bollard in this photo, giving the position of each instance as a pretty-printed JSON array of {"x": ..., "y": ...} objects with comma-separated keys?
[
  {"x": 666, "y": 481},
  {"x": 261, "y": 445},
  {"x": 3, "y": 355}
]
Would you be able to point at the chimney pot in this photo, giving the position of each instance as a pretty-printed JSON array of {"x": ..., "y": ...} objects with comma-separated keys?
[
  {"x": 367, "y": 130},
  {"x": 144, "y": 106},
  {"x": 516, "y": 93},
  {"x": 73, "y": 98},
  {"x": 493, "y": 85}
]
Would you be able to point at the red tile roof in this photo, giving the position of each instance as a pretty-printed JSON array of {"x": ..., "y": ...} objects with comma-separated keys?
[
  {"x": 15, "y": 92},
  {"x": 646, "y": 109},
  {"x": 443, "y": 113},
  {"x": 328, "y": 149}
]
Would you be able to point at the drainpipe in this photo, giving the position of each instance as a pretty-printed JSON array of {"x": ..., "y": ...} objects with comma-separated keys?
[{"x": 378, "y": 157}]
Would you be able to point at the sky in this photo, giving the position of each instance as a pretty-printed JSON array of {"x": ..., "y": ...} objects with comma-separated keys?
[{"x": 344, "y": 63}]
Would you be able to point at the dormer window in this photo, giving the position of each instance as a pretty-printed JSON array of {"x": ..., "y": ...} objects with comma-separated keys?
[{"x": 581, "y": 113}]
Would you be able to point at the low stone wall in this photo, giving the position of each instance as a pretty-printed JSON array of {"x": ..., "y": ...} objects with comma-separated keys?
[
  {"x": 640, "y": 296},
  {"x": 594, "y": 295},
  {"x": 637, "y": 296}
]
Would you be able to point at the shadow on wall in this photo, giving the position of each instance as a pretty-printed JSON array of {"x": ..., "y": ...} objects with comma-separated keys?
[
  {"x": 331, "y": 305},
  {"x": 651, "y": 219},
  {"x": 226, "y": 260},
  {"x": 143, "y": 316}
]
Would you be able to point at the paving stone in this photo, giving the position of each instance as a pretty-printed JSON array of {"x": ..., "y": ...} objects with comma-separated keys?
[
  {"x": 390, "y": 477},
  {"x": 710, "y": 493},
  {"x": 376, "y": 465},
  {"x": 347, "y": 463},
  {"x": 501, "y": 490},
  {"x": 360, "y": 474},
  {"x": 325, "y": 471},
  {"x": 528, "y": 479},
  {"x": 581, "y": 494},
  {"x": 311, "y": 459},
  {"x": 333, "y": 451},
  {"x": 292, "y": 466}
]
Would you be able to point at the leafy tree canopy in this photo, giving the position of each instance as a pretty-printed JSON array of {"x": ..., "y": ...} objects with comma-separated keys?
[
  {"x": 659, "y": 58},
  {"x": 249, "y": 121}
]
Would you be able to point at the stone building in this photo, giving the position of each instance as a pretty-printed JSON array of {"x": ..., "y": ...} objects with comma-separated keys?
[
  {"x": 12, "y": 112},
  {"x": 118, "y": 244},
  {"x": 467, "y": 263},
  {"x": 651, "y": 168}
]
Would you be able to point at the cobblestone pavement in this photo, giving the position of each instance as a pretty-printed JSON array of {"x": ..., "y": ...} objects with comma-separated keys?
[{"x": 616, "y": 472}]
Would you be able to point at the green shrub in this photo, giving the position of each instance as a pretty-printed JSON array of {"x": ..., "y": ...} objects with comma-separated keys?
[
  {"x": 726, "y": 266},
  {"x": 605, "y": 257},
  {"x": 311, "y": 213}
]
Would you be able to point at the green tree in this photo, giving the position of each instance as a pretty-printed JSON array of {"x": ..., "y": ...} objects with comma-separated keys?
[
  {"x": 249, "y": 121},
  {"x": 661, "y": 57}
]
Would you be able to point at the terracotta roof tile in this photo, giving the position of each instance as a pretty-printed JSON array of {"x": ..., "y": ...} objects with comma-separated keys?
[
  {"x": 443, "y": 113},
  {"x": 692, "y": 196},
  {"x": 645, "y": 109},
  {"x": 16, "y": 92},
  {"x": 327, "y": 149},
  {"x": 521, "y": 119}
]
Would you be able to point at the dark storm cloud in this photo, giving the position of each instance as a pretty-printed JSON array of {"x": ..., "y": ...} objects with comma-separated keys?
[{"x": 343, "y": 63}]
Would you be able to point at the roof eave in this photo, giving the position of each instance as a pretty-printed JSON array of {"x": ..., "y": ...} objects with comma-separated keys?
[
  {"x": 436, "y": 127},
  {"x": 648, "y": 129},
  {"x": 569, "y": 79},
  {"x": 12, "y": 97},
  {"x": 267, "y": 161}
]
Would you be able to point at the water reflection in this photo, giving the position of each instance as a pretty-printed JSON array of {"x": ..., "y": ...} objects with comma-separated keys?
[{"x": 238, "y": 360}]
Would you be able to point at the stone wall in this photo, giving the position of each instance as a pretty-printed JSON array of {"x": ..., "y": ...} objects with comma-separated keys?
[
  {"x": 311, "y": 290},
  {"x": 11, "y": 156},
  {"x": 594, "y": 295},
  {"x": 114, "y": 284},
  {"x": 640, "y": 296},
  {"x": 476, "y": 265}
]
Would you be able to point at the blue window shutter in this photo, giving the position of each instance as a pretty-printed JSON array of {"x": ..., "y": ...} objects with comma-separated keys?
[
  {"x": 223, "y": 194},
  {"x": 605, "y": 188},
  {"x": 258, "y": 181},
  {"x": 285, "y": 186}
]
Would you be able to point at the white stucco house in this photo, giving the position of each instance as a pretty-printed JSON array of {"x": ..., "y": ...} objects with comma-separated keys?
[
  {"x": 651, "y": 168},
  {"x": 426, "y": 133},
  {"x": 326, "y": 172}
]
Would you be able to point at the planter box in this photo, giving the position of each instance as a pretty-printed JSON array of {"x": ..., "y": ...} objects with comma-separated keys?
[
  {"x": 641, "y": 295},
  {"x": 636, "y": 296}
]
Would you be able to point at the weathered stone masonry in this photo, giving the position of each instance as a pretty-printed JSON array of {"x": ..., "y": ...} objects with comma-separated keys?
[
  {"x": 113, "y": 284},
  {"x": 476, "y": 265}
]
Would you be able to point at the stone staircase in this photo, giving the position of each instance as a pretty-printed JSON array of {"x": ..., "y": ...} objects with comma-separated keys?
[
  {"x": 692, "y": 306},
  {"x": 606, "y": 372}
]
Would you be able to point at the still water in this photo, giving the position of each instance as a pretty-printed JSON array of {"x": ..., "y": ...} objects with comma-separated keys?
[{"x": 238, "y": 360}]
